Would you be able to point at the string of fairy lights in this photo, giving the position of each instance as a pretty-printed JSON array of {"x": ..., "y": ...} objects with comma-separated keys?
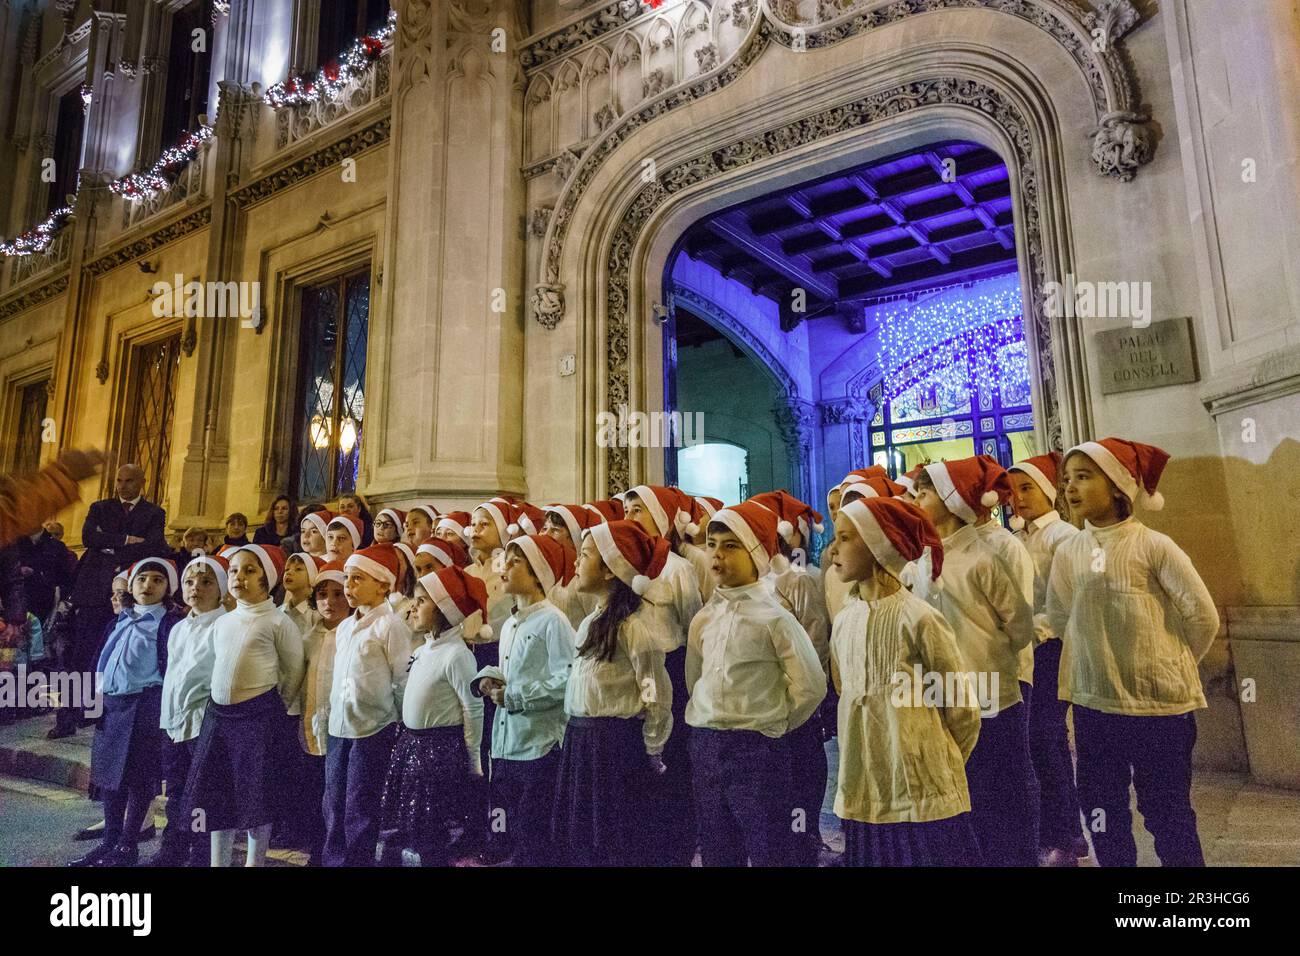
[
  {"x": 955, "y": 344},
  {"x": 328, "y": 82}
]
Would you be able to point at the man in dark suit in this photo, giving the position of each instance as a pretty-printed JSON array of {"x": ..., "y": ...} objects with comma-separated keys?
[{"x": 118, "y": 531}]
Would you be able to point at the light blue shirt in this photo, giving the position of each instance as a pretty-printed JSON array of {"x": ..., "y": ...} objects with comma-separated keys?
[
  {"x": 129, "y": 661},
  {"x": 536, "y": 654}
]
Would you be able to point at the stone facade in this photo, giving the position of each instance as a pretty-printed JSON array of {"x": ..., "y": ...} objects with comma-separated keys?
[{"x": 523, "y": 171}]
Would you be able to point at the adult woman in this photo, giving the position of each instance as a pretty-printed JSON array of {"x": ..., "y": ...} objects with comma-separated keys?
[{"x": 281, "y": 522}]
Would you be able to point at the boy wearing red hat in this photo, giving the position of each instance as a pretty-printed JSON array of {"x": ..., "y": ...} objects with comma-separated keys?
[
  {"x": 901, "y": 790},
  {"x": 437, "y": 752},
  {"x": 300, "y": 570},
  {"x": 236, "y": 780},
  {"x": 311, "y": 532},
  {"x": 870, "y": 482},
  {"x": 417, "y": 525},
  {"x": 343, "y": 535},
  {"x": 187, "y": 687},
  {"x": 330, "y": 603},
  {"x": 372, "y": 650},
  {"x": 1135, "y": 619},
  {"x": 753, "y": 678},
  {"x": 1042, "y": 530},
  {"x": 126, "y": 756},
  {"x": 567, "y": 524},
  {"x": 536, "y": 653},
  {"x": 993, "y": 620}
]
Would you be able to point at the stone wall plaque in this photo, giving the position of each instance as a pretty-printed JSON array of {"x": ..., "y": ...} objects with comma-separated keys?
[{"x": 1160, "y": 354}]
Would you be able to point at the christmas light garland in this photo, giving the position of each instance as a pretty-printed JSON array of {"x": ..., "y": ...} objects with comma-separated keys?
[
  {"x": 37, "y": 239},
  {"x": 149, "y": 184},
  {"x": 956, "y": 345},
  {"x": 334, "y": 76}
]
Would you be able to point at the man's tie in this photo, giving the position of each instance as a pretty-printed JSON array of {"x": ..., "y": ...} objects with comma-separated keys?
[{"x": 127, "y": 506}]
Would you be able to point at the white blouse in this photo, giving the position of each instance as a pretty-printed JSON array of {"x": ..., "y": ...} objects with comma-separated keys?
[
  {"x": 1013, "y": 553},
  {"x": 800, "y": 592},
  {"x": 438, "y": 691},
  {"x": 633, "y": 684},
  {"x": 674, "y": 598},
  {"x": 257, "y": 649},
  {"x": 1134, "y": 618},
  {"x": 1042, "y": 537},
  {"x": 372, "y": 651},
  {"x": 187, "y": 685}
]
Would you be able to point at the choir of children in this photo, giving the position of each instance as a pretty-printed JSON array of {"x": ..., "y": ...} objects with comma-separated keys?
[{"x": 683, "y": 713}]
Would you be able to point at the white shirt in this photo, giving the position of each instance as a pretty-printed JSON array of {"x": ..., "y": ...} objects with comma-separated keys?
[
  {"x": 1042, "y": 537},
  {"x": 633, "y": 684},
  {"x": 438, "y": 691},
  {"x": 258, "y": 649},
  {"x": 750, "y": 666},
  {"x": 800, "y": 592},
  {"x": 674, "y": 598},
  {"x": 500, "y": 604},
  {"x": 318, "y": 645},
  {"x": 302, "y": 614},
  {"x": 902, "y": 759},
  {"x": 1011, "y": 551},
  {"x": 536, "y": 653},
  {"x": 187, "y": 685},
  {"x": 702, "y": 562},
  {"x": 372, "y": 650},
  {"x": 985, "y": 607},
  {"x": 1134, "y": 618},
  {"x": 836, "y": 590},
  {"x": 574, "y": 603}
]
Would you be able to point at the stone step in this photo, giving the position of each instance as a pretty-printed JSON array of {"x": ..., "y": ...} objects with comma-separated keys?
[{"x": 26, "y": 752}]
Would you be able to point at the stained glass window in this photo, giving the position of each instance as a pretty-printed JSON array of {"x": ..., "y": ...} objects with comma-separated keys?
[
  {"x": 331, "y": 403},
  {"x": 151, "y": 399}
]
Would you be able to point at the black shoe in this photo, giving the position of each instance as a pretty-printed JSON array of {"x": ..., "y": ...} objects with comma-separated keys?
[
  {"x": 94, "y": 856},
  {"x": 59, "y": 731},
  {"x": 93, "y": 832},
  {"x": 124, "y": 854}
]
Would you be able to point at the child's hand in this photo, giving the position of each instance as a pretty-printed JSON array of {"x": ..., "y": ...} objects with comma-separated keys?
[
  {"x": 657, "y": 764},
  {"x": 498, "y": 694}
]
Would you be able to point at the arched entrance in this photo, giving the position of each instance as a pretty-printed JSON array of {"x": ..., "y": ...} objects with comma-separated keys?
[{"x": 615, "y": 228}]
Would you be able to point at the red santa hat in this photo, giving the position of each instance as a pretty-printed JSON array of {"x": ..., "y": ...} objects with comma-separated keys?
[
  {"x": 970, "y": 487},
  {"x": 511, "y": 518},
  {"x": 405, "y": 551},
  {"x": 379, "y": 561},
  {"x": 635, "y": 558},
  {"x": 551, "y": 561},
  {"x": 461, "y": 598},
  {"x": 399, "y": 517},
  {"x": 166, "y": 567},
  {"x": 331, "y": 571},
  {"x": 896, "y": 531},
  {"x": 270, "y": 557},
  {"x": 792, "y": 515},
  {"x": 703, "y": 508},
  {"x": 353, "y": 526},
  {"x": 609, "y": 509},
  {"x": 908, "y": 479},
  {"x": 430, "y": 512},
  {"x": 457, "y": 521},
  {"x": 1134, "y": 468},
  {"x": 319, "y": 520},
  {"x": 669, "y": 507},
  {"x": 1044, "y": 471},
  {"x": 311, "y": 563},
  {"x": 876, "y": 486},
  {"x": 576, "y": 518},
  {"x": 756, "y": 527},
  {"x": 444, "y": 552},
  {"x": 227, "y": 551},
  {"x": 220, "y": 569}
]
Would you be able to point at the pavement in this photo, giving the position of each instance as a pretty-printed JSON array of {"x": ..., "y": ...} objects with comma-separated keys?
[{"x": 43, "y": 803}]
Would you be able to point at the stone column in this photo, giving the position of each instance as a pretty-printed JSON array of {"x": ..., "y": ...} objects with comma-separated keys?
[{"x": 445, "y": 380}]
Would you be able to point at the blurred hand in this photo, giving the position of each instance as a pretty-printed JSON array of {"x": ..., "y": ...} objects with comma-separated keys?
[{"x": 82, "y": 463}]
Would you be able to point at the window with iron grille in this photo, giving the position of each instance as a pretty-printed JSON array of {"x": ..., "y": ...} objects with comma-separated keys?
[
  {"x": 31, "y": 413},
  {"x": 331, "y": 403},
  {"x": 150, "y": 406}
]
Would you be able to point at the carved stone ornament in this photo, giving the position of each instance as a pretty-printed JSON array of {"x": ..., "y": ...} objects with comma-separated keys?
[
  {"x": 565, "y": 164},
  {"x": 605, "y": 117},
  {"x": 1122, "y": 143},
  {"x": 101, "y": 371},
  {"x": 843, "y": 411},
  {"x": 538, "y": 221},
  {"x": 189, "y": 340},
  {"x": 548, "y": 305},
  {"x": 707, "y": 57}
]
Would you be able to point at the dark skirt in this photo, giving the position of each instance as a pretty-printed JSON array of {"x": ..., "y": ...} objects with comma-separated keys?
[
  {"x": 600, "y": 816},
  {"x": 671, "y": 805},
  {"x": 127, "y": 750},
  {"x": 238, "y": 766},
  {"x": 949, "y": 842},
  {"x": 426, "y": 787}
]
